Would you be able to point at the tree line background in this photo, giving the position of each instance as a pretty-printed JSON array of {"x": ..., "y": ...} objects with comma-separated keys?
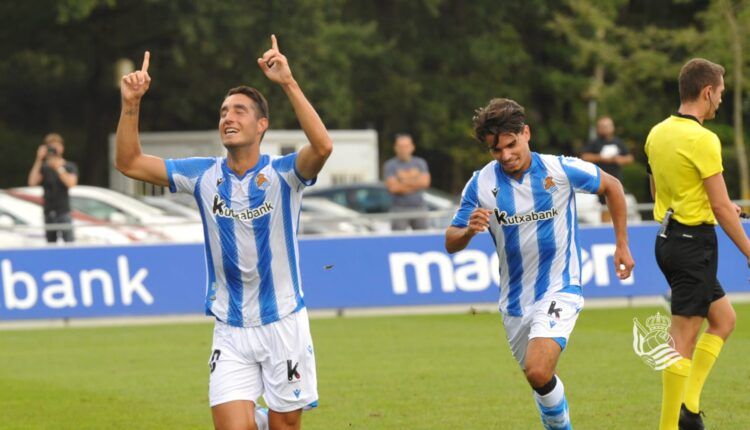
[{"x": 416, "y": 66}]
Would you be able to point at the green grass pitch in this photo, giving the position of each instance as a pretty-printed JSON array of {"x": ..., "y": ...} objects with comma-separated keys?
[{"x": 388, "y": 372}]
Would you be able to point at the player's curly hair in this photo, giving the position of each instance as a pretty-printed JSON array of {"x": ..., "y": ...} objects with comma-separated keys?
[
  {"x": 261, "y": 105},
  {"x": 498, "y": 117}
]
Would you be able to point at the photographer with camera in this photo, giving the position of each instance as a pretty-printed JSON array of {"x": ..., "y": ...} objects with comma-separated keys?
[{"x": 56, "y": 175}]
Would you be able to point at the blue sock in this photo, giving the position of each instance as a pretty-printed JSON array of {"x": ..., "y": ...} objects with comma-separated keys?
[{"x": 553, "y": 408}]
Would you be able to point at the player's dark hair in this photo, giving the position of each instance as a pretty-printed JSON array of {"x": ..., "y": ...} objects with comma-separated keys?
[
  {"x": 696, "y": 75},
  {"x": 500, "y": 116},
  {"x": 261, "y": 105}
]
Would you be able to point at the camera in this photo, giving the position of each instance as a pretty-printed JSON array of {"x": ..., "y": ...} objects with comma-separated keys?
[{"x": 51, "y": 151}]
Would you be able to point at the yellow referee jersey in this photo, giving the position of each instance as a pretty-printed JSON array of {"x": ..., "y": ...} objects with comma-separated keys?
[{"x": 681, "y": 154}]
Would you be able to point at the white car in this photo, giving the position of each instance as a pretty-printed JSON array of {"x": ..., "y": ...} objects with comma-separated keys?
[
  {"x": 317, "y": 215},
  {"x": 181, "y": 205},
  {"x": 590, "y": 209},
  {"x": 117, "y": 208},
  {"x": 22, "y": 225}
]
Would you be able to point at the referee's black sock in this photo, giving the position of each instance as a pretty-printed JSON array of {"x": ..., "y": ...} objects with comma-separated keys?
[{"x": 548, "y": 387}]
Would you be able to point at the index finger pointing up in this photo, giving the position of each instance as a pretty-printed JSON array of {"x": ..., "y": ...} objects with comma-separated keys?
[
  {"x": 146, "y": 60},
  {"x": 274, "y": 43}
]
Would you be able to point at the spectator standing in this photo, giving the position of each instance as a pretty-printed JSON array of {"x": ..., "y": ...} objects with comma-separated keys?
[
  {"x": 609, "y": 153},
  {"x": 56, "y": 175},
  {"x": 406, "y": 178}
]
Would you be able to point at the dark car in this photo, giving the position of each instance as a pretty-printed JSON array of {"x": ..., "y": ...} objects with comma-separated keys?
[
  {"x": 374, "y": 198},
  {"x": 363, "y": 198}
]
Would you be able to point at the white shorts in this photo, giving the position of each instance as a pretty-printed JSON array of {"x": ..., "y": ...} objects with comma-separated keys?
[
  {"x": 276, "y": 361},
  {"x": 554, "y": 317}
]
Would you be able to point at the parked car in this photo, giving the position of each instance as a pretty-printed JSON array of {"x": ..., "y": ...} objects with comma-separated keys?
[
  {"x": 22, "y": 225},
  {"x": 374, "y": 198},
  {"x": 590, "y": 209},
  {"x": 321, "y": 216},
  {"x": 179, "y": 205},
  {"x": 117, "y": 208}
]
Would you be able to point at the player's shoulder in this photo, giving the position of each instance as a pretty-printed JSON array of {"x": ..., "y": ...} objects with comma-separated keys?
[
  {"x": 280, "y": 163},
  {"x": 487, "y": 171},
  {"x": 555, "y": 164},
  {"x": 193, "y": 166},
  {"x": 485, "y": 175},
  {"x": 198, "y": 161},
  {"x": 564, "y": 165}
]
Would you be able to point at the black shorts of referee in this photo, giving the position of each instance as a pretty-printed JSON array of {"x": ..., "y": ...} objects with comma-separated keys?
[{"x": 689, "y": 259}]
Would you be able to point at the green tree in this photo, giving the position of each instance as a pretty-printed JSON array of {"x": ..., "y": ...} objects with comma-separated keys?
[
  {"x": 725, "y": 41},
  {"x": 62, "y": 77}
]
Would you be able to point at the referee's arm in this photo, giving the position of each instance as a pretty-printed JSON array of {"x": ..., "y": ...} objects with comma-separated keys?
[{"x": 726, "y": 212}]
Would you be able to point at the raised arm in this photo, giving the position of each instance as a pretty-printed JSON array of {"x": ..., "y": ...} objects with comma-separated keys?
[
  {"x": 312, "y": 156},
  {"x": 129, "y": 158},
  {"x": 35, "y": 174},
  {"x": 617, "y": 206}
]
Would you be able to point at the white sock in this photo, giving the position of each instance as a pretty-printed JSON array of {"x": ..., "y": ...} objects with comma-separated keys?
[
  {"x": 261, "y": 417},
  {"x": 554, "y": 397},
  {"x": 553, "y": 408}
]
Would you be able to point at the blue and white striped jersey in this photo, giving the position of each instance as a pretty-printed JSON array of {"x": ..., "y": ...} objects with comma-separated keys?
[
  {"x": 250, "y": 226},
  {"x": 533, "y": 225}
]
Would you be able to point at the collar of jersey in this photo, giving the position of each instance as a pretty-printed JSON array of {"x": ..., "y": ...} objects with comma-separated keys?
[
  {"x": 532, "y": 166},
  {"x": 685, "y": 116},
  {"x": 262, "y": 162}
]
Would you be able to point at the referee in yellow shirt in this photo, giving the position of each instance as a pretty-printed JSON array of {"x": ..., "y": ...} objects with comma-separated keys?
[{"x": 686, "y": 180}]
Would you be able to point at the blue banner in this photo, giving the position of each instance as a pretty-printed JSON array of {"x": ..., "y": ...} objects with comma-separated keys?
[{"x": 402, "y": 270}]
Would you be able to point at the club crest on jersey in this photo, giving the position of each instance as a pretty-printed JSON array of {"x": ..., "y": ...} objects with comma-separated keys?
[
  {"x": 549, "y": 184},
  {"x": 220, "y": 209},
  {"x": 504, "y": 219},
  {"x": 262, "y": 182}
]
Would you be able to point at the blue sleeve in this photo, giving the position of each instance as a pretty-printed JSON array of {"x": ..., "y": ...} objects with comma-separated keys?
[
  {"x": 469, "y": 202},
  {"x": 183, "y": 173},
  {"x": 582, "y": 175}
]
